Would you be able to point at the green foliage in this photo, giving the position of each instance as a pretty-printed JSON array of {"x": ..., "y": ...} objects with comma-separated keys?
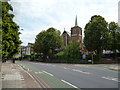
[
  {"x": 73, "y": 50},
  {"x": 96, "y": 34},
  {"x": 15, "y": 58},
  {"x": 27, "y": 56},
  {"x": 114, "y": 36},
  {"x": 47, "y": 41},
  {"x": 90, "y": 55},
  {"x": 0, "y": 30},
  {"x": 10, "y": 33},
  {"x": 118, "y": 39},
  {"x": 60, "y": 57},
  {"x": 100, "y": 35},
  {"x": 71, "y": 54}
]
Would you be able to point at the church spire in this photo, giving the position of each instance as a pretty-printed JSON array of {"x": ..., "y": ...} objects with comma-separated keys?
[{"x": 76, "y": 24}]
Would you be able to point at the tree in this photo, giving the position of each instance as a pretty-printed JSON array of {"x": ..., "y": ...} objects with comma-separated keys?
[
  {"x": 114, "y": 36},
  {"x": 10, "y": 33},
  {"x": 118, "y": 37},
  {"x": 71, "y": 53},
  {"x": 73, "y": 50},
  {"x": 96, "y": 34},
  {"x": 47, "y": 41},
  {"x": 0, "y": 30}
]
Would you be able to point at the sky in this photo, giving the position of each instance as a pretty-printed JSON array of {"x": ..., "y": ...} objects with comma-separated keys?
[
  {"x": 33, "y": 16},
  {"x": 119, "y": 13}
]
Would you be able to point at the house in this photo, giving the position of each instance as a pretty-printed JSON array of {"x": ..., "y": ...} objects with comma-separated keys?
[{"x": 26, "y": 50}]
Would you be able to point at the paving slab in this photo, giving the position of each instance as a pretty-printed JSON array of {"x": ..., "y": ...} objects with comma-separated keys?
[{"x": 13, "y": 76}]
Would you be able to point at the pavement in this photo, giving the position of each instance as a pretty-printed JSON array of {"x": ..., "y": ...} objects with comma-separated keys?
[
  {"x": 13, "y": 76},
  {"x": 116, "y": 68}
]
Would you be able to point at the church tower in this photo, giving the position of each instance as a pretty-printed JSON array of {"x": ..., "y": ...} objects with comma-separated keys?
[{"x": 76, "y": 32}]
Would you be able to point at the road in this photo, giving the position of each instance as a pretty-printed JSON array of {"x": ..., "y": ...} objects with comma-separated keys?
[{"x": 78, "y": 75}]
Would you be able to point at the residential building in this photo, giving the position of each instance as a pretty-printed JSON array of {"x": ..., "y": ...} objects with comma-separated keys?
[
  {"x": 29, "y": 49},
  {"x": 26, "y": 50}
]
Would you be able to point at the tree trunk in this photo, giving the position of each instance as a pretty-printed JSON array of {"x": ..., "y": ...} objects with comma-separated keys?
[
  {"x": 13, "y": 60},
  {"x": 99, "y": 53}
]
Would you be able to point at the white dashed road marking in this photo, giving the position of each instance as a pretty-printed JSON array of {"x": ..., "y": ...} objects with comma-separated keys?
[
  {"x": 66, "y": 68},
  {"x": 53, "y": 65},
  {"x": 38, "y": 72},
  {"x": 48, "y": 73},
  {"x": 69, "y": 83},
  {"x": 111, "y": 78},
  {"x": 81, "y": 71}
]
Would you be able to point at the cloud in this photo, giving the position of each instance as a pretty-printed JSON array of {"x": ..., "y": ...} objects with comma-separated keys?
[{"x": 38, "y": 15}]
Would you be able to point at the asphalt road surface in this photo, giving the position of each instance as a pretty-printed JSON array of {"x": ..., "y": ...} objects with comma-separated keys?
[{"x": 80, "y": 75}]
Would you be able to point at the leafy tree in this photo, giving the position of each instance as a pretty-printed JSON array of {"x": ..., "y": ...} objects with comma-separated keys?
[
  {"x": 73, "y": 49},
  {"x": 114, "y": 36},
  {"x": 0, "y": 30},
  {"x": 96, "y": 34},
  {"x": 118, "y": 38},
  {"x": 47, "y": 41},
  {"x": 10, "y": 33},
  {"x": 71, "y": 53}
]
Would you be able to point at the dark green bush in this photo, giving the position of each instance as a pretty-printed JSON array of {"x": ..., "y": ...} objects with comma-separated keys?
[{"x": 65, "y": 57}]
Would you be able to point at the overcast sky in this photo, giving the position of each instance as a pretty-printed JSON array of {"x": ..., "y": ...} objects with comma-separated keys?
[{"x": 36, "y": 15}]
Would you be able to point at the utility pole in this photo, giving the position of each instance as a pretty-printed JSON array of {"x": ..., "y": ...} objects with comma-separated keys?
[
  {"x": 92, "y": 58},
  {"x": 21, "y": 48}
]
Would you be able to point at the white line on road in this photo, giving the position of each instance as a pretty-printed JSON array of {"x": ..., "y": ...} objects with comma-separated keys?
[
  {"x": 81, "y": 71},
  {"x": 66, "y": 68},
  {"x": 28, "y": 69},
  {"x": 53, "y": 65},
  {"x": 38, "y": 72},
  {"x": 32, "y": 77},
  {"x": 111, "y": 78},
  {"x": 20, "y": 66},
  {"x": 50, "y": 65},
  {"x": 69, "y": 83},
  {"x": 35, "y": 63},
  {"x": 48, "y": 73}
]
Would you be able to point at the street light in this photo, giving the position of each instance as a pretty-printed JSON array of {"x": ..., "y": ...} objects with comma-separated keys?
[
  {"x": 92, "y": 58},
  {"x": 21, "y": 47},
  {"x": 21, "y": 52}
]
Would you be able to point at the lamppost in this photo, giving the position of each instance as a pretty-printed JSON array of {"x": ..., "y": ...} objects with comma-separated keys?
[
  {"x": 21, "y": 52},
  {"x": 21, "y": 48},
  {"x": 92, "y": 58}
]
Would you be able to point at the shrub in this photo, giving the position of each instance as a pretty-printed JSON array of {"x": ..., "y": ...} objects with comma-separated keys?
[
  {"x": 16, "y": 58},
  {"x": 67, "y": 57}
]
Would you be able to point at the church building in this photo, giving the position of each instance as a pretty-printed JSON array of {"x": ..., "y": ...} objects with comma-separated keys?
[{"x": 76, "y": 34}]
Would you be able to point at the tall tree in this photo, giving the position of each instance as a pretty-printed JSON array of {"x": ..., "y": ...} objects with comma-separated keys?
[
  {"x": 0, "y": 30},
  {"x": 73, "y": 50},
  {"x": 114, "y": 34},
  {"x": 118, "y": 37},
  {"x": 96, "y": 34},
  {"x": 10, "y": 32},
  {"x": 47, "y": 41}
]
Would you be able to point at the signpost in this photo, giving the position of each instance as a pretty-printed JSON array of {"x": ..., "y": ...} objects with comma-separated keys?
[
  {"x": 84, "y": 56},
  {"x": 92, "y": 58}
]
